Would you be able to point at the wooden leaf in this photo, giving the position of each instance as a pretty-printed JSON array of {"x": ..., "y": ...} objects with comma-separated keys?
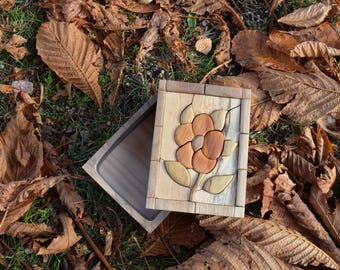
[
  {"x": 70, "y": 54},
  {"x": 310, "y": 96},
  {"x": 70, "y": 198},
  {"x": 233, "y": 251},
  {"x": 251, "y": 51},
  {"x": 307, "y": 17},
  {"x": 64, "y": 241},
  {"x": 329, "y": 215},
  {"x": 187, "y": 115},
  {"x": 281, "y": 242},
  {"x": 178, "y": 229},
  {"x": 313, "y": 49},
  {"x": 228, "y": 148},
  {"x": 217, "y": 183},
  {"x": 178, "y": 173},
  {"x": 263, "y": 111}
]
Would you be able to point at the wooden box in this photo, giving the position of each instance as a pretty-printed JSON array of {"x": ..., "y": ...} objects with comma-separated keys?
[
  {"x": 200, "y": 149},
  {"x": 121, "y": 166}
]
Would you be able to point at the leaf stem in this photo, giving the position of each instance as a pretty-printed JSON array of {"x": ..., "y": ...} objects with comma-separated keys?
[{"x": 197, "y": 186}]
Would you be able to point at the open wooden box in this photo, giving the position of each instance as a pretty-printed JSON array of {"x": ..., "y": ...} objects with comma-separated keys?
[{"x": 200, "y": 149}]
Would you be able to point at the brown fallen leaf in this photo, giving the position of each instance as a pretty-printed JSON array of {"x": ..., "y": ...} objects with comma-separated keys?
[
  {"x": 281, "y": 242},
  {"x": 313, "y": 49},
  {"x": 330, "y": 215},
  {"x": 22, "y": 229},
  {"x": 72, "y": 55},
  {"x": 309, "y": 96},
  {"x": 14, "y": 46},
  {"x": 64, "y": 241},
  {"x": 176, "y": 230},
  {"x": 308, "y": 16},
  {"x": 251, "y": 51},
  {"x": 282, "y": 41},
  {"x": 137, "y": 7},
  {"x": 222, "y": 50},
  {"x": 17, "y": 197},
  {"x": 203, "y": 45},
  {"x": 202, "y": 6},
  {"x": 19, "y": 145},
  {"x": 233, "y": 251},
  {"x": 108, "y": 244},
  {"x": 71, "y": 198},
  {"x": 274, "y": 5},
  {"x": 7, "y": 5},
  {"x": 331, "y": 124},
  {"x": 264, "y": 111}
]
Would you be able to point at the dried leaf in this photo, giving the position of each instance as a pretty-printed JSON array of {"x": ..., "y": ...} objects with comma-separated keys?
[
  {"x": 19, "y": 145},
  {"x": 274, "y": 5},
  {"x": 70, "y": 198},
  {"x": 222, "y": 51},
  {"x": 14, "y": 46},
  {"x": 251, "y": 51},
  {"x": 7, "y": 5},
  {"x": 108, "y": 244},
  {"x": 329, "y": 215},
  {"x": 263, "y": 111},
  {"x": 331, "y": 124},
  {"x": 64, "y": 241},
  {"x": 202, "y": 6},
  {"x": 313, "y": 49},
  {"x": 22, "y": 229},
  {"x": 310, "y": 96},
  {"x": 281, "y": 242},
  {"x": 282, "y": 41},
  {"x": 17, "y": 197},
  {"x": 137, "y": 7},
  {"x": 203, "y": 45},
  {"x": 176, "y": 230},
  {"x": 307, "y": 17},
  {"x": 72, "y": 55},
  {"x": 233, "y": 251}
]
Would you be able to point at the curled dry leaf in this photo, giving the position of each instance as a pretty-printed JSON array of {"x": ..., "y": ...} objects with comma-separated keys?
[
  {"x": 14, "y": 46},
  {"x": 222, "y": 51},
  {"x": 71, "y": 198},
  {"x": 233, "y": 251},
  {"x": 202, "y": 6},
  {"x": 309, "y": 96},
  {"x": 64, "y": 241},
  {"x": 264, "y": 111},
  {"x": 176, "y": 230},
  {"x": 331, "y": 124},
  {"x": 72, "y": 55},
  {"x": 251, "y": 51},
  {"x": 273, "y": 237},
  {"x": 313, "y": 49},
  {"x": 17, "y": 197},
  {"x": 22, "y": 229},
  {"x": 307, "y": 17},
  {"x": 203, "y": 45}
]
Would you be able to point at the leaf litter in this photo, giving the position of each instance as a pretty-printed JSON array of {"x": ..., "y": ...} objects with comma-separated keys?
[{"x": 293, "y": 73}]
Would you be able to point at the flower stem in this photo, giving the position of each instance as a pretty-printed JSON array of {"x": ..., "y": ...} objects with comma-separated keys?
[{"x": 197, "y": 186}]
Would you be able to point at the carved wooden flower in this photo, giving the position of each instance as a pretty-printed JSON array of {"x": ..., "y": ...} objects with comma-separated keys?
[{"x": 200, "y": 144}]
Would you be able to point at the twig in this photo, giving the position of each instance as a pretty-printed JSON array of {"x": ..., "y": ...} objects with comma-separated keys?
[
  {"x": 92, "y": 244},
  {"x": 15, "y": 255},
  {"x": 237, "y": 16},
  {"x": 214, "y": 70},
  {"x": 140, "y": 249},
  {"x": 168, "y": 248},
  {"x": 121, "y": 258}
]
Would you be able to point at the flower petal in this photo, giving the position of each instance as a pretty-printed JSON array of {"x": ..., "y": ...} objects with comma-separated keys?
[
  {"x": 213, "y": 144},
  {"x": 202, "y": 124},
  {"x": 184, "y": 155},
  {"x": 202, "y": 164},
  {"x": 184, "y": 134}
]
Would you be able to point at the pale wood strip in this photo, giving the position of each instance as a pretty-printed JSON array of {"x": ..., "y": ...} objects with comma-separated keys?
[
  {"x": 156, "y": 143},
  {"x": 160, "y": 108},
  {"x": 150, "y": 202},
  {"x": 213, "y": 209},
  {"x": 245, "y": 116},
  {"x": 174, "y": 205},
  {"x": 223, "y": 91},
  {"x": 243, "y": 151},
  {"x": 184, "y": 87},
  {"x": 239, "y": 212},
  {"x": 162, "y": 85},
  {"x": 241, "y": 187},
  {"x": 153, "y": 176},
  {"x": 246, "y": 94}
]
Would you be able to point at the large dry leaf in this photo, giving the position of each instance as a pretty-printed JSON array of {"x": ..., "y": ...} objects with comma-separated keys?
[
  {"x": 22, "y": 229},
  {"x": 251, "y": 51},
  {"x": 329, "y": 215},
  {"x": 17, "y": 197},
  {"x": 72, "y": 55},
  {"x": 14, "y": 46},
  {"x": 307, "y": 17},
  {"x": 234, "y": 252},
  {"x": 313, "y": 49},
  {"x": 176, "y": 230},
  {"x": 264, "y": 111},
  {"x": 70, "y": 198},
  {"x": 21, "y": 151},
  {"x": 64, "y": 241},
  {"x": 309, "y": 96},
  {"x": 281, "y": 242}
]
